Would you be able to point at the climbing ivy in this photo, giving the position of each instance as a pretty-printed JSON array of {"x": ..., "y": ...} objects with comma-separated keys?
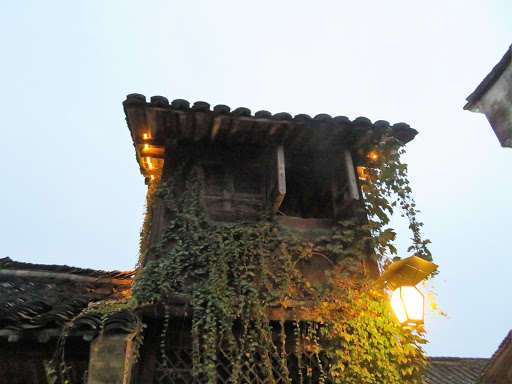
[
  {"x": 386, "y": 188},
  {"x": 238, "y": 273}
]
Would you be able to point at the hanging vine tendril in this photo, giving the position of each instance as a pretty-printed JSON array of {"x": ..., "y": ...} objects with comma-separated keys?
[{"x": 239, "y": 272}]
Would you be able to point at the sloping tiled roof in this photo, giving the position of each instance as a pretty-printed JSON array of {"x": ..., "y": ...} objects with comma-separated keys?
[
  {"x": 500, "y": 364},
  {"x": 454, "y": 370},
  {"x": 489, "y": 80},
  {"x": 35, "y": 297},
  {"x": 156, "y": 123}
]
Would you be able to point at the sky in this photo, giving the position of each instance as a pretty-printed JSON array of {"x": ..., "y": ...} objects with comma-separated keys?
[{"x": 71, "y": 192}]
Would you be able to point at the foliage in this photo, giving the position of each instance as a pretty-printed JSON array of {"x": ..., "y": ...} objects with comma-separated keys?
[
  {"x": 224, "y": 274},
  {"x": 236, "y": 273},
  {"x": 386, "y": 187},
  {"x": 365, "y": 344},
  {"x": 57, "y": 371}
]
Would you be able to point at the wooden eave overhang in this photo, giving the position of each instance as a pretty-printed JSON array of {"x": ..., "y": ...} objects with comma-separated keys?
[
  {"x": 157, "y": 124},
  {"x": 489, "y": 81}
]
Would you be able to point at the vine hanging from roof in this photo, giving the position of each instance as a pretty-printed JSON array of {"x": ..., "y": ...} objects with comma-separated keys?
[{"x": 241, "y": 272}]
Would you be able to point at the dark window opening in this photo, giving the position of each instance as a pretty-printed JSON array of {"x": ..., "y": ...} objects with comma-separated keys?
[
  {"x": 234, "y": 182},
  {"x": 315, "y": 184},
  {"x": 308, "y": 192}
]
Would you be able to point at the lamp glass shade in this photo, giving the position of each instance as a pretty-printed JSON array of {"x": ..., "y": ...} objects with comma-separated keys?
[{"x": 408, "y": 303}]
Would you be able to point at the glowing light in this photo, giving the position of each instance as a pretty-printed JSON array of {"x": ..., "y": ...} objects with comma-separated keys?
[
  {"x": 150, "y": 166},
  {"x": 373, "y": 155},
  {"x": 152, "y": 177},
  {"x": 361, "y": 173},
  {"x": 146, "y": 146},
  {"x": 145, "y": 136},
  {"x": 407, "y": 303},
  {"x": 148, "y": 159}
]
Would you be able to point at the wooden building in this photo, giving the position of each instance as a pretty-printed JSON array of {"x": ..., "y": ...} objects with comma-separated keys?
[{"x": 301, "y": 169}]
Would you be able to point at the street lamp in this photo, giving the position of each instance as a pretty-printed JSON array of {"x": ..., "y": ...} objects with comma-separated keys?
[{"x": 407, "y": 301}]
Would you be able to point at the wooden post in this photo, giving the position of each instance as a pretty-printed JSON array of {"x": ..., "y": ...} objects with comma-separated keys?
[
  {"x": 110, "y": 360},
  {"x": 353, "y": 189},
  {"x": 280, "y": 187}
]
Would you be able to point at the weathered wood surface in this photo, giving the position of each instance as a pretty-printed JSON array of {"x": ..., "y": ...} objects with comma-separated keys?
[
  {"x": 178, "y": 121},
  {"x": 280, "y": 180}
]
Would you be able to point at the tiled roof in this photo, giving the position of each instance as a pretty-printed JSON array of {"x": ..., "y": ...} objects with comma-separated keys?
[
  {"x": 37, "y": 297},
  {"x": 155, "y": 124},
  {"x": 8, "y": 264},
  {"x": 499, "y": 367},
  {"x": 489, "y": 80},
  {"x": 454, "y": 370}
]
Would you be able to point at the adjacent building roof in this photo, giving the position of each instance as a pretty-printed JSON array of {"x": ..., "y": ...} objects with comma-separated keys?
[
  {"x": 157, "y": 123},
  {"x": 493, "y": 98},
  {"x": 499, "y": 367},
  {"x": 454, "y": 370},
  {"x": 489, "y": 80},
  {"x": 35, "y": 297}
]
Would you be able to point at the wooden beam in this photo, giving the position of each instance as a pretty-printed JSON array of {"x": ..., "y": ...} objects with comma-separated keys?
[
  {"x": 152, "y": 122},
  {"x": 353, "y": 189},
  {"x": 215, "y": 127},
  {"x": 158, "y": 153},
  {"x": 158, "y": 222},
  {"x": 363, "y": 139},
  {"x": 280, "y": 190}
]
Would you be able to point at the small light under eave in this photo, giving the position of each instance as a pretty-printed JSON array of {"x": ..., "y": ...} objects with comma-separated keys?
[
  {"x": 373, "y": 155},
  {"x": 146, "y": 146},
  {"x": 150, "y": 166},
  {"x": 361, "y": 173},
  {"x": 148, "y": 159},
  {"x": 152, "y": 177},
  {"x": 145, "y": 136}
]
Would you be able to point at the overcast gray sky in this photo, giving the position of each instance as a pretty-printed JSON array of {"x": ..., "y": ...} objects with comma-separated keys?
[{"x": 71, "y": 189}]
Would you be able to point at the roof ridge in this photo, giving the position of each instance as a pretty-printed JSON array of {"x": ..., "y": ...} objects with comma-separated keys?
[
  {"x": 458, "y": 358},
  {"x": 7, "y": 263},
  {"x": 63, "y": 276}
]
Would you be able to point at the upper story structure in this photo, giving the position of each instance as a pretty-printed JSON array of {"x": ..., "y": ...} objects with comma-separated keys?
[{"x": 298, "y": 168}]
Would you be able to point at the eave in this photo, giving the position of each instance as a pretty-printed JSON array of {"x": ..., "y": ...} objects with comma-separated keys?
[{"x": 156, "y": 124}]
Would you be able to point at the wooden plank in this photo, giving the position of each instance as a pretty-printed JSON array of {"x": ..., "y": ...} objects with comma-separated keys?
[
  {"x": 244, "y": 131},
  {"x": 152, "y": 122},
  {"x": 280, "y": 190},
  {"x": 215, "y": 127},
  {"x": 353, "y": 190},
  {"x": 201, "y": 126},
  {"x": 227, "y": 191},
  {"x": 363, "y": 139},
  {"x": 157, "y": 223},
  {"x": 234, "y": 127},
  {"x": 137, "y": 121},
  {"x": 154, "y": 152}
]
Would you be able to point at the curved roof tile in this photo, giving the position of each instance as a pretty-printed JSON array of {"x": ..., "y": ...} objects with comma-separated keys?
[{"x": 49, "y": 296}]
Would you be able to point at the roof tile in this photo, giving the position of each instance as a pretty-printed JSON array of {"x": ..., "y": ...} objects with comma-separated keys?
[{"x": 454, "y": 370}]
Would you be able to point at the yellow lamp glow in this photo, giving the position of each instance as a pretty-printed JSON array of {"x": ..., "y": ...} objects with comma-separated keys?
[
  {"x": 145, "y": 136},
  {"x": 152, "y": 177},
  {"x": 150, "y": 166},
  {"x": 146, "y": 146},
  {"x": 148, "y": 159},
  {"x": 361, "y": 173},
  {"x": 408, "y": 303},
  {"x": 373, "y": 155}
]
